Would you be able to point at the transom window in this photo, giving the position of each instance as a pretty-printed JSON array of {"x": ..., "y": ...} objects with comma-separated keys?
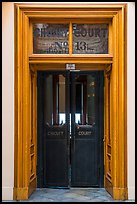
[
  {"x": 50, "y": 39},
  {"x": 73, "y": 38},
  {"x": 90, "y": 38}
]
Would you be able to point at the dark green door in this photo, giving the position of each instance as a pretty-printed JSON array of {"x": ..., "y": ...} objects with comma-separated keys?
[
  {"x": 71, "y": 151},
  {"x": 56, "y": 129},
  {"x": 86, "y": 128}
]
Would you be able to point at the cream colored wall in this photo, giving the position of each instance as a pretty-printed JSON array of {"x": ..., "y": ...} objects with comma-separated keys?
[
  {"x": 131, "y": 99},
  {"x": 8, "y": 98}
]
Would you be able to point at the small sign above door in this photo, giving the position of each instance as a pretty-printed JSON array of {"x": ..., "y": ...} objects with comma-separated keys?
[{"x": 70, "y": 66}]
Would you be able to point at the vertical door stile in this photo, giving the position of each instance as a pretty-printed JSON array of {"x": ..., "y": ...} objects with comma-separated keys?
[
  {"x": 73, "y": 92},
  {"x": 67, "y": 115}
]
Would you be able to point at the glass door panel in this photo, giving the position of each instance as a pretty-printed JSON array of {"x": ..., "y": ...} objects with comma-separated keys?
[
  {"x": 84, "y": 134},
  {"x": 56, "y": 130}
]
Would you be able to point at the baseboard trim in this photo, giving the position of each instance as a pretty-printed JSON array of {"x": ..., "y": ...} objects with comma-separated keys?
[
  {"x": 120, "y": 193},
  {"x": 131, "y": 193},
  {"x": 7, "y": 193},
  {"x": 20, "y": 193}
]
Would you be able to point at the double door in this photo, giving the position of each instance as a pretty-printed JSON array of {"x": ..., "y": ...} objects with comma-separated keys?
[{"x": 72, "y": 140}]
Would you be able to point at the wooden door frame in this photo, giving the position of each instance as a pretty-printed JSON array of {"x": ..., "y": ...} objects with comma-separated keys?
[{"x": 115, "y": 66}]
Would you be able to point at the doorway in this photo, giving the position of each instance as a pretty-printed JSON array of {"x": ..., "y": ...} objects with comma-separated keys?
[
  {"x": 28, "y": 62},
  {"x": 70, "y": 124}
]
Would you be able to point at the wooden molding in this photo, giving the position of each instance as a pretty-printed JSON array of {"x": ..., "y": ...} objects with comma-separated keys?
[
  {"x": 120, "y": 193},
  {"x": 92, "y": 59},
  {"x": 115, "y": 178},
  {"x": 20, "y": 194}
]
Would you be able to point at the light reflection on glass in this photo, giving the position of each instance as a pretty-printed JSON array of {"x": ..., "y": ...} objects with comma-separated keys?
[{"x": 62, "y": 119}]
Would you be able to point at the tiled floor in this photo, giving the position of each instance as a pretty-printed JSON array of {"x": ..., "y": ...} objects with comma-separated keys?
[{"x": 71, "y": 195}]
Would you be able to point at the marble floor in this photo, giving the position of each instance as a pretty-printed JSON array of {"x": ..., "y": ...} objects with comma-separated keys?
[{"x": 71, "y": 195}]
